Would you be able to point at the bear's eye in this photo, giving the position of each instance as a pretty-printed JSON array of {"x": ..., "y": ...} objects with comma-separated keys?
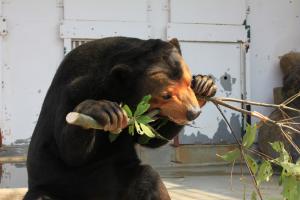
[{"x": 167, "y": 96}]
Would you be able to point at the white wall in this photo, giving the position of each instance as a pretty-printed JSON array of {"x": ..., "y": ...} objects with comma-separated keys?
[
  {"x": 275, "y": 30},
  {"x": 33, "y": 49}
]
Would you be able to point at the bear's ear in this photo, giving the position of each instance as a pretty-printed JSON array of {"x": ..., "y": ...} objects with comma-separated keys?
[
  {"x": 175, "y": 42},
  {"x": 120, "y": 72}
]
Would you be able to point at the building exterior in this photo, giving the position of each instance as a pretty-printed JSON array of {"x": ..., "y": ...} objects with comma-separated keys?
[{"x": 238, "y": 42}]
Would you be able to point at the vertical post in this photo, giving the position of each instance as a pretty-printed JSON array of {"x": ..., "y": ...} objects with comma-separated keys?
[
  {"x": 1, "y": 80},
  {"x": 245, "y": 75}
]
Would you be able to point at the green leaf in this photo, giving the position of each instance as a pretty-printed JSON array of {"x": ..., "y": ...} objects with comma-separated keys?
[
  {"x": 250, "y": 135},
  {"x": 265, "y": 172},
  {"x": 147, "y": 131},
  {"x": 252, "y": 163},
  {"x": 143, "y": 106},
  {"x": 284, "y": 155},
  {"x": 146, "y": 98},
  {"x": 131, "y": 129},
  {"x": 112, "y": 137},
  {"x": 144, "y": 119},
  {"x": 141, "y": 109},
  {"x": 127, "y": 110},
  {"x": 231, "y": 155},
  {"x": 138, "y": 128},
  {"x": 253, "y": 196},
  {"x": 290, "y": 169},
  {"x": 290, "y": 188}
]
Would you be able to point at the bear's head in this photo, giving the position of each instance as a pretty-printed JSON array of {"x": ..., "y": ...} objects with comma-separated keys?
[
  {"x": 169, "y": 82},
  {"x": 162, "y": 72}
]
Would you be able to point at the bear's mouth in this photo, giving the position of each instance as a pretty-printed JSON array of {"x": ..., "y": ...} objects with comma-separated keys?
[
  {"x": 155, "y": 113},
  {"x": 177, "y": 121}
]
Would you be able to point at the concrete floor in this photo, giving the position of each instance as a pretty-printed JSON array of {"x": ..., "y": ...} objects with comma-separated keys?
[
  {"x": 184, "y": 182},
  {"x": 217, "y": 188},
  {"x": 194, "y": 188}
]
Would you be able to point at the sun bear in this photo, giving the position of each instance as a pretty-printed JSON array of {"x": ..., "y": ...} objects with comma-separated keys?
[{"x": 69, "y": 162}]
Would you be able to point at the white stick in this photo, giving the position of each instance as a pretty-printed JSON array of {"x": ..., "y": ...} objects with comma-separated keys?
[{"x": 83, "y": 121}]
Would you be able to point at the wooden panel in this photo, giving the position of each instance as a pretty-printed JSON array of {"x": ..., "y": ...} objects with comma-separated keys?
[
  {"x": 208, "y": 11},
  {"x": 106, "y": 10},
  {"x": 207, "y": 32}
]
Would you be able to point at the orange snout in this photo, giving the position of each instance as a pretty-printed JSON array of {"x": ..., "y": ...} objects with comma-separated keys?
[{"x": 181, "y": 108}]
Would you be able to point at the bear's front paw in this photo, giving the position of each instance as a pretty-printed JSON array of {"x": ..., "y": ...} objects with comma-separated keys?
[
  {"x": 204, "y": 86},
  {"x": 108, "y": 114}
]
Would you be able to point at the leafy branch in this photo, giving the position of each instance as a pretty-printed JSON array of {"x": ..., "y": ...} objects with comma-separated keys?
[
  {"x": 290, "y": 175},
  {"x": 138, "y": 121}
]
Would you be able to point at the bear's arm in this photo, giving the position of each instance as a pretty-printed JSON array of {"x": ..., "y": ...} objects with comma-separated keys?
[
  {"x": 169, "y": 131},
  {"x": 75, "y": 144}
]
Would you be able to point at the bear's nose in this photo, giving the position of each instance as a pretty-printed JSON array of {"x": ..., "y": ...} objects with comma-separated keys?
[{"x": 193, "y": 113}]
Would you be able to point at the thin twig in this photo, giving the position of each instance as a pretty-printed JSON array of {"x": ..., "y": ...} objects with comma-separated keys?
[
  {"x": 291, "y": 123},
  {"x": 288, "y": 127},
  {"x": 260, "y": 154},
  {"x": 290, "y": 119},
  {"x": 252, "y": 113},
  {"x": 218, "y": 101},
  {"x": 280, "y": 106},
  {"x": 241, "y": 150},
  {"x": 228, "y": 124},
  {"x": 291, "y": 99},
  {"x": 288, "y": 137},
  {"x": 252, "y": 176}
]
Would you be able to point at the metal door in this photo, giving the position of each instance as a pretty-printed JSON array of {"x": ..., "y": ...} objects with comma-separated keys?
[{"x": 212, "y": 36}]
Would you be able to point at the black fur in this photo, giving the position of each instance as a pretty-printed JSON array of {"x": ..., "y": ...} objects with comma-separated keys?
[{"x": 68, "y": 162}]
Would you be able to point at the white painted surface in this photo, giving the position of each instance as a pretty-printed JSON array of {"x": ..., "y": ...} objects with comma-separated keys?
[
  {"x": 275, "y": 30},
  {"x": 222, "y": 61},
  {"x": 207, "y": 32},
  {"x": 106, "y": 10},
  {"x": 208, "y": 11},
  {"x": 1, "y": 76},
  {"x": 32, "y": 49},
  {"x": 94, "y": 30}
]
